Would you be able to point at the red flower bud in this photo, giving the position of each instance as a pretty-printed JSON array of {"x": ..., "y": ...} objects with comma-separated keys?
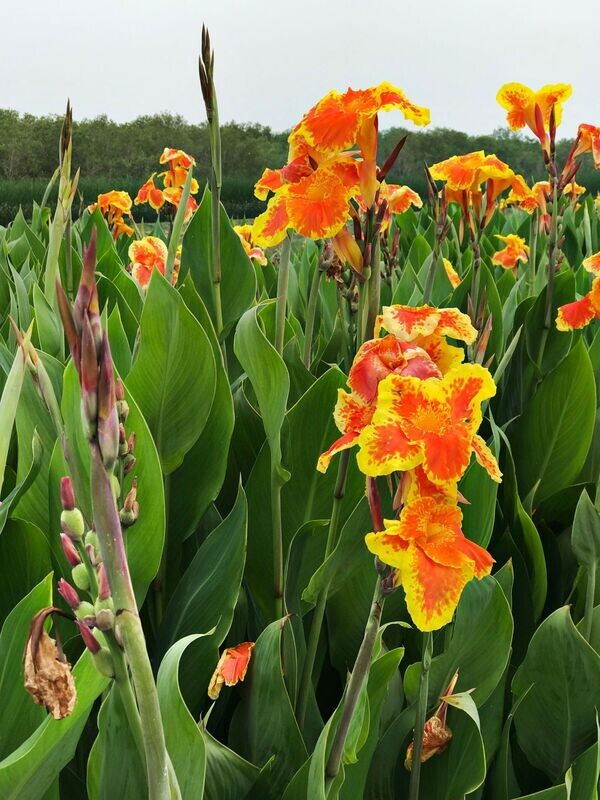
[
  {"x": 68, "y": 593},
  {"x": 67, "y": 496},
  {"x": 69, "y": 550},
  {"x": 103, "y": 586},
  {"x": 88, "y": 637}
]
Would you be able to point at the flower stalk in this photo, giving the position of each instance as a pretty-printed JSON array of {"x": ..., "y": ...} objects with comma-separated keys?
[
  {"x": 283, "y": 277},
  {"x": 420, "y": 716}
]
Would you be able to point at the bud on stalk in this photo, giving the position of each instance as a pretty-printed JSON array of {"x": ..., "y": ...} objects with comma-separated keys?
[
  {"x": 69, "y": 550},
  {"x": 108, "y": 419},
  {"x": 68, "y": 593}
]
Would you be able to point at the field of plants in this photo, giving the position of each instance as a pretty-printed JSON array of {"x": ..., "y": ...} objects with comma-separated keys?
[{"x": 306, "y": 508}]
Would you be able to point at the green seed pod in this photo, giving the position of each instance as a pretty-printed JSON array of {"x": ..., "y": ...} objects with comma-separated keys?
[
  {"x": 104, "y": 663},
  {"x": 84, "y": 610},
  {"x": 72, "y": 523},
  {"x": 80, "y": 577},
  {"x": 91, "y": 538}
]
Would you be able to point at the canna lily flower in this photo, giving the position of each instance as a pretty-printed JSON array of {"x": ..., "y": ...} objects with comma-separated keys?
[
  {"x": 532, "y": 109},
  {"x": 451, "y": 273},
  {"x": 516, "y": 250},
  {"x": 433, "y": 558},
  {"x": 398, "y": 199},
  {"x": 588, "y": 142},
  {"x": 254, "y": 253},
  {"x": 151, "y": 194},
  {"x": 374, "y": 361},
  {"x": 316, "y": 206},
  {"x": 231, "y": 668},
  {"x": 432, "y": 423},
  {"x": 573, "y": 316},
  {"x": 173, "y": 196},
  {"x": 408, "y": 323},
  {"x": 592, "y": 264},
  {"x": 340, "y": 121},
  {"x": 113, "y": 205},
  {"x": 146, "y": 255}
]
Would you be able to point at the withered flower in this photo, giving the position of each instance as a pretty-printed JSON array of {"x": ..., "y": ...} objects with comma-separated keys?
[{"x": 47, "y": 672}]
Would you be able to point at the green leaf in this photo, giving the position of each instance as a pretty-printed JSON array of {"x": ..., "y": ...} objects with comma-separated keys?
[
  {"x": 556, "y": 721},
  {"x": 267, "y": 373},
  {"x": 184, "y": 740},
  {"x": 228, "y": 775},
  {"x": 25, "y": 554},
  {"x": 114, "y": 767},
  {"x": 263, "y": 724},
  {"x": 478, "y": 516},
  {"x": 557, "y": 343},
  {"x": 585, "y": 536},
  {"x": 21, "y": 488},
  {"x": 479, "y": 648},
  {"x": 238, "y": 281},
  {"x": 551, "y": 439},
  {"x": 20, "y": 714},
  {"x": 173, "y": 377},
  {"x": 205, "y": 598},
  {"x": 49, "y": 331},
  {"x": 8, "y": 406}
]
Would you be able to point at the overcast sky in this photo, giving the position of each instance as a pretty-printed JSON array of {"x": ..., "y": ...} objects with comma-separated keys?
[{"x": 275, "y": 58}]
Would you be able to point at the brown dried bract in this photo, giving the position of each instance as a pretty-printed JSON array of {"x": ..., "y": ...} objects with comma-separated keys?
[{"x": 48, "y": 677}]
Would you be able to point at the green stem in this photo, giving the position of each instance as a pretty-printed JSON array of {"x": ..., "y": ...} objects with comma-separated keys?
[
  {"x": 69, "y": 256},
  {"x": 311, "y": 311},
  {"x": 590, "y": 593},
  {"x": 319, "y": 612},
  {"x": 215, "y": 229},
  {"x": 533, "y": 237},
  {"x": 475, "y": 274},
  {"x": 435, "y": 257},
  {"x": 552, "y": 253},
  {"x": 128, "y": 625},
  {"x": 355, "y": 684},
  {"x": 345, "y": 329},
  {"x": 420, "y": 717},
  {"x": 374, "y": 288},
  {"x": 277, "y": 542},
  {"x": 363, "y": 308},
  {"x": 283, "y": 277}
]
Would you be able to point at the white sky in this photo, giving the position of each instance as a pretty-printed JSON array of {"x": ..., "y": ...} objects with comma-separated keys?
[{"x": 275, "y": 58}]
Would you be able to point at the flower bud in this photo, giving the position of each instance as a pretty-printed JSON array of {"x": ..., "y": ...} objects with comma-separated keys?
[
  {"x": 86, "y": 613},
  {"x": 89, "y": 378},
  {"x": 131, "y": 509},
  {"x": 80, "y": 577},
  {"x": 67, "y": 496},
  {"x": 90, "y": 641},
  {"x": 108, "y": 420},
  {"x": 68, "y": 593},
  {"x": 93, "y": 554},
  {"x": 103, "y": 587},
  {"x": 129, "y": 462},
  {"x": 105, "y": 615},
  {"x": 69, "y": 550},
  {"x": 73, "y": 524},
  {"x": 115, "y": 486}
]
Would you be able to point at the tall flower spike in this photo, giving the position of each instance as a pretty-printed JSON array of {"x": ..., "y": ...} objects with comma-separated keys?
[{"x": 108, "y": 418}]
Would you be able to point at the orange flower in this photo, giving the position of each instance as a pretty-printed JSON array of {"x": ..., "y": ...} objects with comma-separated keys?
[
  {"x": 516, "y": 250},
  {"x": 408, "y": 323},
  {"x": 339, "y": 121},
  {"x": 176, "y": 158},
  {"x": 231, "y": 668},
  {"x": 430, "y": 422},
  {"x": 589, "y": 142},
  {"x": 245, "y": 234},
  {"x": 573, "y": 316},
  {"x": 146, "y": 255},
  {"x": 452, "y": 274},
  {"x": 433, "y": 558},
  {"x": 151, "y": 194},
  {"x": 316, "y": 206},
  {"x": 520, "y": 101},
  {"x": 173, "y": 195},
  {"x": 398, "y": 200},
  {"x": 469, "y": 171},
  {"x": 374, "y": 361},
  {"x": 113, "y": 205}
]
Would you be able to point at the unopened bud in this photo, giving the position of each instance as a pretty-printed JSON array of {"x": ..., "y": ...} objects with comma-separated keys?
[
  {"x": 90, "y": 641},
  {"x": 86, "y": 613},
  {"x": 131, "y": 442},
  {"x": 69, "y": 550},
  {"x": 123, "y": 446},
  {"x": 68, "y": 593},
  {"x": 131, "y": 509},
  {"x": 80, "y": 577},
  {"x": 105, "y": 615},
  {"x": 89, "y": 377},
  {"x": 104, "y": 663},
  {"x": 122, "y": 409},
  {"x": 103, "y": 586},
  {"x": 129, "y": 462},
  {"x": 108, "y": 420},
  {"x": 92, "y": 554},
  {"x": 67, "y": 496},
  {"x": 119, "y": 390},
  {"x": 73, "y": 524}
]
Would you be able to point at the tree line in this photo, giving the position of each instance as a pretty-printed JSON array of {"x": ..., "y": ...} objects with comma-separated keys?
[{"x": 122, "y": 155}]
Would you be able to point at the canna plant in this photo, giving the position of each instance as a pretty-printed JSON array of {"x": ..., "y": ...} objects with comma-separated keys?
[{"x": 306, "y": 506}]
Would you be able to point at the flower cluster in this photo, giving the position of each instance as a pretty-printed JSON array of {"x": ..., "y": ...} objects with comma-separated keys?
[
  {"x": 413, "y": 410},
  {"x": 114, "y": 206},
  {"x": 325, "y": 181},
  {"x": 173, "y": 180}
]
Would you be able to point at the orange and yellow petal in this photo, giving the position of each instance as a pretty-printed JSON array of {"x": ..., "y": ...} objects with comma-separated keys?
[
  {"x": 391, "y": 97},
  {"x": 451, "y": 273},
  {"x": 171, "y": 155},
  {"x": 432, "y": 590},
  {"x": 231, "y": 668},
  {"x": 553, "y": 95},
  {"x": 518, "y": 100},
  {"x": 384, "y": 448},
  {"x": 573, "y": 316},
  {"x": 375, "y": 360},
  {"x": 592, "y": 264},
  {"x": 466, "y": 387},
  {"x": 318, "y": 204},
  {"x": 408, "y": 322},
  {"x": 447, "y": 454},
  {"x": 417, "y": 485},
  {"x": 351, "y": 412},
  {"x": 445, "y": 356},
  {"x": 486, "y": 458},
  {"x": 589, "y": 142},
  {"x": 458, "y": 172},
  {"x": 345, "y": 441},
  {"x": 347, "y": 249},
  {"x": 270, "y": 227}
]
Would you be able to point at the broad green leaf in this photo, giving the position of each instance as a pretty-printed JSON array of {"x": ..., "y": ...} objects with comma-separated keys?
[
  {"x": 238, "y": 283},
  {"x": 49, "y": 329},
  {"x": 114, "y": 767},
  {"x": 184, "y": 741},
  {"x": 556, "y": 343},
  {"x": 551, "y": 439},
  {"x": 173, "y": 377},
  {"x": 205, "y": 598},
  {"x": 556, "y": 721},
  {"x": 13, "y": 497},
  {"x": 8, "y": 405},
  {"x": 585, "y": 536},
  {"x": 263, "y": 724},
  {"x": 228, "y": 775},
  {"x": 25, "y": 555}
]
